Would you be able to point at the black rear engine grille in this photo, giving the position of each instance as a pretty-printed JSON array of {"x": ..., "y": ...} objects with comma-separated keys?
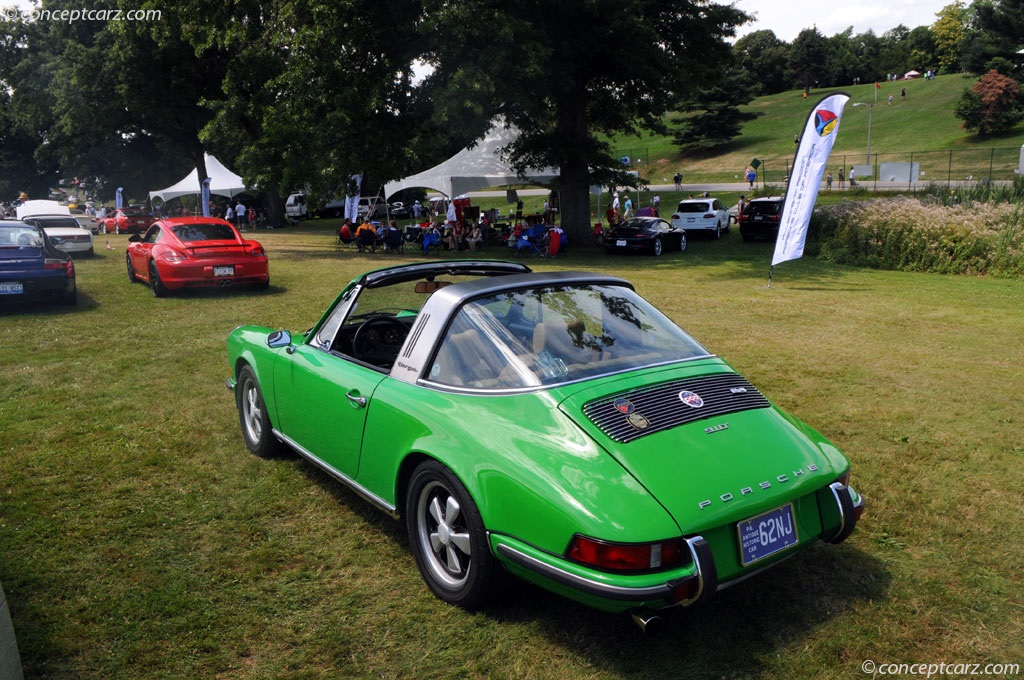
[{"x": 629, "y": 415}]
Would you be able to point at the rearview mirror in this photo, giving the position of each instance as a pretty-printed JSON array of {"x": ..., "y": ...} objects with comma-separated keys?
[{"x": 431, "y": 286}]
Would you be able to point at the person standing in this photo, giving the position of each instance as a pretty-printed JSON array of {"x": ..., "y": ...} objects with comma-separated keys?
[
  {"x": 628, "y": 208},
  {"x": 678, "y": 178},
  {"x": 240, "y": 215},
  {"x": 853, "y": 182},
  {"x": 751, "y": 176},
  {"x": 842, "y": 178},
  {"x": 229, "y": 214},
  {"x": 828, "y": 182}
]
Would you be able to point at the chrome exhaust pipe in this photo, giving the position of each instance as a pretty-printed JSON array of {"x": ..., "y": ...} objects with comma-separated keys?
[{"x": 650, "y": 623}]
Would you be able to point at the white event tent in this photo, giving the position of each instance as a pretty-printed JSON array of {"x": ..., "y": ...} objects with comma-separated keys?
[
  {"x": 223, "y": 182},
  {"x": 475, "y": 169}
]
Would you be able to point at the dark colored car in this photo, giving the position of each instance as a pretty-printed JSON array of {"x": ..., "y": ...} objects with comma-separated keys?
[
  {"x": 31, "y": 268},
  {"x": 652, "y": 235},
  {"x": 761, "y": 218}
]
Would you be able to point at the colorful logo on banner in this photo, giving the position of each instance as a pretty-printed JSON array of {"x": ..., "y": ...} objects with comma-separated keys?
[{"x": 825, "y": 122}]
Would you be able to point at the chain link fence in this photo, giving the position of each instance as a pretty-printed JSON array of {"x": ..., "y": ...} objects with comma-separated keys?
[{"x": 909, "y": 170}]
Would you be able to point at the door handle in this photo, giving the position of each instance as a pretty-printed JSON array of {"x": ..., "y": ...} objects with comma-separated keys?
[{"x": 358, "y": 402}]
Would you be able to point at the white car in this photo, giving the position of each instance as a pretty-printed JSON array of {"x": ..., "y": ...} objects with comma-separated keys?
[
  {"x": 702, "y": 214},
  {"x": 58, "y": 223}
]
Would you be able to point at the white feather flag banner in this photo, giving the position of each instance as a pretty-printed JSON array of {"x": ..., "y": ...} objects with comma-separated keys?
[{"x": 808, "y": 168}]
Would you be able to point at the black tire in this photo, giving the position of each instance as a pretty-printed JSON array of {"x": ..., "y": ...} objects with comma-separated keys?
[
  {"x": 682, "y": 242},
  {"x": 155, "y": 284},
  {"x": 117, "y": 229},
  {"x": 718, "y": 231},
  {"x": 253, "y": 417},
  {"x": 132, "y": 276},
  {"x": 656, "y": 251},
  {"x": 448, "y": 538}
]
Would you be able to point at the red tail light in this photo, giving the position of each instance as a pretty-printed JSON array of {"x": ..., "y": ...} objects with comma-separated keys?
[
  {"x": 626, "y": 557},
  {"x": 67, "y": 265},
  {"x": 709, "y": 216},
  {"x": 172, "y": 256},
  {"x": 257, "y": 251}
]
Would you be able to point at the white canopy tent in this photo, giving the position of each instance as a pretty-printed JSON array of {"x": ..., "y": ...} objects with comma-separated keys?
[
  {"x": 223, "y": 182},
  {"x": 474, "y": 169}
]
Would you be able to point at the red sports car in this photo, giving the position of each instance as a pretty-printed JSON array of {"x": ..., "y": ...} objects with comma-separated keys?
[
  {"x": 189, "y": 252},
  {"x": 126, "y": 221}
]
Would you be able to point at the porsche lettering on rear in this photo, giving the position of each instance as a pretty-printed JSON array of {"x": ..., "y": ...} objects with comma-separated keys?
[{"x": 763, "y": 486}]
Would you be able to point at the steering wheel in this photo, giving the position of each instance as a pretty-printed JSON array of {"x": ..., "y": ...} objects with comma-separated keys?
[{"x": 374, "y": 348}]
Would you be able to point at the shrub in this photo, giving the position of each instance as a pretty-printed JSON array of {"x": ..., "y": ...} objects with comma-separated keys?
[{"x": 911, "y": 234}]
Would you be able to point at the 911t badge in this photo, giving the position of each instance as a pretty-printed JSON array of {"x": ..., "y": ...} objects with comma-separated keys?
[{"x": 691, "y": 399}]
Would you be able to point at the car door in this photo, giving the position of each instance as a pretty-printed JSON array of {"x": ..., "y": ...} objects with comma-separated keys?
[
  {"x": 322, "y": 400},
  {"x": 141, "y": 251}
]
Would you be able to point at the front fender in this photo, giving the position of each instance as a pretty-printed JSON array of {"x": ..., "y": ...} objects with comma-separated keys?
[{"x": 247, "y": 345}]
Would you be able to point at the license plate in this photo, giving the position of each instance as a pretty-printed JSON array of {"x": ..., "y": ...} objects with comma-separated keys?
[
  {"x": 766, "y": 534},
  {"x": 223, "y": 271},
  {"x": 620, "y": 243},
  {"x": 15, "y": 288},
  {"x": 691, "y": 220},
  {"x": 758, "y": 218}
]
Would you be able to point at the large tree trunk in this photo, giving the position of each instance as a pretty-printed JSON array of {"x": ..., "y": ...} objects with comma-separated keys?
[{"x": 574, "y": 197}]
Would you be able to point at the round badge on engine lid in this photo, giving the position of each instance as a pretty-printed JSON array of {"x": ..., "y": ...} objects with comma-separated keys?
[{"x": 691, "y": 399}]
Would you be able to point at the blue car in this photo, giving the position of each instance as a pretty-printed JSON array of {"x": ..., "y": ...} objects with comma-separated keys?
[{"x": 31, "y": 268}]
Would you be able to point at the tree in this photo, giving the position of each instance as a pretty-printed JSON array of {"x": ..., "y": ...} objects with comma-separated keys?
[
  {"x": 990, "y": 106},
  {"x": 807, "y": 58},
  {"x": 567, "y": 74},
  {"x": 715, "y": 118},
  {"x": 949, "y": 31},
  {"x": 998, "y": 29},
  {"x": 764, "y": 58}
]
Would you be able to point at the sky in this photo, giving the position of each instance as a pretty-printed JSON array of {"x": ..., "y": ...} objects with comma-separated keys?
[{"x": 786, "y": 18}]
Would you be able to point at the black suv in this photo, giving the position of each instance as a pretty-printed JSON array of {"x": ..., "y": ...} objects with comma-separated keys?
[{"x": 761, "y": 217}]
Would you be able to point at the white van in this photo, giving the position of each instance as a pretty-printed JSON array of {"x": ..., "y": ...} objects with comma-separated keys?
[{"x": 296, "y": 208}]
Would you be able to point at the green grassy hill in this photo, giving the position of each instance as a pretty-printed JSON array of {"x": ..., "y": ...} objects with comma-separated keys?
[{"x": 923, "y": 125}]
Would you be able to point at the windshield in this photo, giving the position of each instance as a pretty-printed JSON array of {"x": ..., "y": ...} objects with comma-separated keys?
[{"x": 545, "y": 336}]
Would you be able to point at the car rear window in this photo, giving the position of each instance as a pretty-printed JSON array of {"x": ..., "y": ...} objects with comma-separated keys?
[
  {"x": 763, "y": 207},
  {"x": 17, "y": 236},
  {"x": 693, "y": 207},
  {"x": 54, "y": 222},
  {"x": 190, "y": 233}
]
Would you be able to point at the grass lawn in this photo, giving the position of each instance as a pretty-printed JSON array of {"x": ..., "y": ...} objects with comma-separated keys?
[{"x": 140, "y": 539}]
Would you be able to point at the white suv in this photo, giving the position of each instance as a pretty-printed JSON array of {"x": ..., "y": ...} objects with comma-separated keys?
[{"x": 701, "y": 214}]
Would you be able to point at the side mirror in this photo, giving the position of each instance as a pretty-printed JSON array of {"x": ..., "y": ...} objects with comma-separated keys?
[
  {"x": 279, "y": 339},
  {"x": 135, "y": 238}
]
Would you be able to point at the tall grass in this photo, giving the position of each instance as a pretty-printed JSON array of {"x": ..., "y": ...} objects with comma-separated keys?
[{"x": 963, "y": 236}]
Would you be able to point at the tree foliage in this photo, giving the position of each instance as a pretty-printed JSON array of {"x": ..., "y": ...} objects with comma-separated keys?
[
  {"x": 714, "y": 115},
  {"x": 764, "y": 57},
  {"x": 991, "y": 105},
  {"x": 949, "y": 31}
]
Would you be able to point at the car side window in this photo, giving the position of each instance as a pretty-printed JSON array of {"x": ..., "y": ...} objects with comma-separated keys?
[{"x": 152, "y": 235}]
